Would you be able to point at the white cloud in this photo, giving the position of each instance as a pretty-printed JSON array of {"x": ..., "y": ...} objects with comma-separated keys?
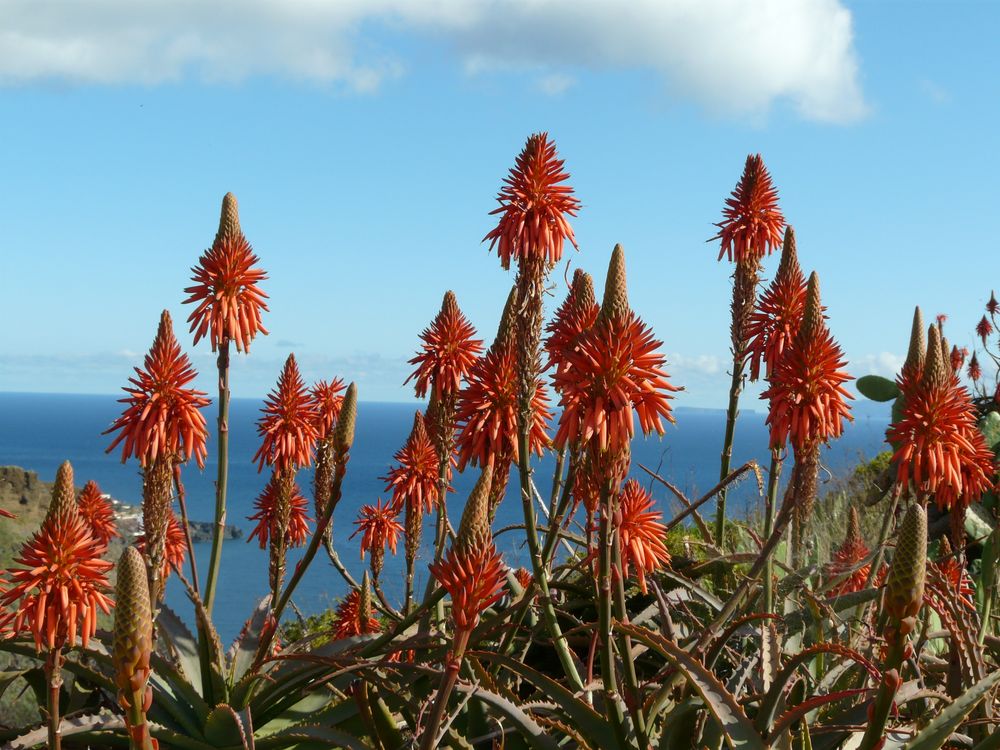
[
  {"x": 885, "y": 364},
  {"x": 934, "y": 91},
  {"x": 700, "y": 364},
  {"x": 554, "y": 84},
  {"x": 734, "y": 56}
]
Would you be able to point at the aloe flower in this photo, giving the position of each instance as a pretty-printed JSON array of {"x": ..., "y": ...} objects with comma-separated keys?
[
  {"x": 641, "y": 532},
  {"x": 448, "y": 351},
  {"x": 379, "y": 529},
  {"x": 229, "y": 303},
  {"x": 848, "y": 558},
  {"x": 297, "y": 531},
  {"x": 614, "y": 375},
  {"x": 288, "y": 425},
  {"x": 940, "y": 450},
  {"x": 576, "y": 314},
  {"x": 163, "y": 418},
  {"x": 58, "y": 581},
  {"x": 97, "y": 512},
  {"x": 534, "y": 204},
  {"x": 808, "y": 401},
  {"x": 353, "y": 615},
  {"x": 778, "y": 313},
  {"x": 751, "y": 221}
]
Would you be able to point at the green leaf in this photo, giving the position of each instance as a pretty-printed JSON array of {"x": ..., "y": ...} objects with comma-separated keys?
[
  {"x": 526, "y": 726},
  {"x": 737, "y": 729},
  {"x": 244, "y": 648},
  {"x": 877, "y": 388},
  {"x": 935, "y": 734},
  {"x": 977, "y": 525},
  {"x": 990, "y": 427},
  {"x": 8, "y": 678},
  {"x": 223, "y": 728},
  {"x": 311, "y": 738},
  {"x": 183, "y": 644},
  {"x": 591, "y": 724},
  {"x": 72, "y": 727}
]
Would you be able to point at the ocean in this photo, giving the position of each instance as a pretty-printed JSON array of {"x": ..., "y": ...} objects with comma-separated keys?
[{"x": 39, "y": 431}]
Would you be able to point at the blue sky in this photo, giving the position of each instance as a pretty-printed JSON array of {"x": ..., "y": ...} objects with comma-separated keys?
[{"x": 366, "y": 143}]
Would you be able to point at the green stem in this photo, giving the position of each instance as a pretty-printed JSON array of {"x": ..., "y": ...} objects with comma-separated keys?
[
  {"x": 774, "y": 475},
  {"x": 735, "y": 388},
  {"x": 539, "y": 570},
  {"x": 555, "y": 522},
  {"x": 879, "y": 714},
  {"x": 604, "y": 603},
  {"x": 264, "y": 646},
  {"x": 182, "y": 502},
  {"x": 222, "y": 478},
  {"x": 53, "y": 675},
  {"x": 428, "y": 740},
  {"x": 624, "y": 642}
]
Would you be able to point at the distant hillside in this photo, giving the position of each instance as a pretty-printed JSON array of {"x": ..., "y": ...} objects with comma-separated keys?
[{"x": 27, "y": 497}]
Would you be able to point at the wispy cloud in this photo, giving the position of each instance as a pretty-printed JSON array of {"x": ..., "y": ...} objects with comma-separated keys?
[
  {"x": 886, "y": 364},
  {"x": 555, "y": 84},
  {"x": 733, "y": 56},
  {"x": 934, "y": 91}
]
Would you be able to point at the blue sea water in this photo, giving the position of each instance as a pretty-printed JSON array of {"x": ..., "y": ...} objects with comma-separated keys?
[{"x": 39, "y": 431}]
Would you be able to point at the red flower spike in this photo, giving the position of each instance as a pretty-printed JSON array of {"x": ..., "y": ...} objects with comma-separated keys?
[
  {"x": 992, "y": 306},
  {"x": 641, "y": 532},
  {"x": 163, "y": 417},
  {"x": 975, "y": 371},
  {"x": 97, "y": 512},
  {"x": 350, "y": 621},
  {"x": 615, "y": 373},
  {"x": 265, "y": 505},
  {"x": 941, "y": 450},
  {"x": 288, "y": 424},
  {"x": 415, "y": 479},
  {"x": 955, "y": 574},
  {"x": 577, "y": 313},
  {"x": 228, "y": 300},
  {"x": 487, "y": 412},
  {"x": 847, "y": 559},
  {"x": 378, "y": 526},
  {"x": 984, "y": 328},
  {"x": 957, "y": 358},
  {"x": 327, "y": 398},
  {"x": 534, "y": 206},
  {"x": 58, "y": 583},
  {"x": 808, "y": 402},
  {"x": 174, "y": 549},
  {"x": 778, "y": 314},
  {"x": 474, "y": 578},
  {"x": 751, "y": 221},
  {"x": 448, "y": 351}
]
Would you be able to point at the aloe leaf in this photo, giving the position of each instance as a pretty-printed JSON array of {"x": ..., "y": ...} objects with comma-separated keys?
[
  {"x": 183, "y": 645},
  {"x": 739, "y": 733},
  {"x": 587, "y": 720},
  {"x": 311, "y": 738},
  {"x": 768, "y": 706},
  {"x": 936, "y": 733},
  {"x": 244, "y": 648},
  {"x": 877, "y": 388},
  {"x": 73, "y": 727},
  {"x": 990, "y": 743},
  {"x": 679, "y": 726},
  {"x": 526, "y": 726},
  {"x": 8, "y": 678},
  {"x": 990, "y": 427},
  {"x": 223, "y": 728}
]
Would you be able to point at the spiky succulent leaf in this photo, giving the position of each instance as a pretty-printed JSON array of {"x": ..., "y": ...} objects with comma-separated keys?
[{"x": 877, "y": 388}]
